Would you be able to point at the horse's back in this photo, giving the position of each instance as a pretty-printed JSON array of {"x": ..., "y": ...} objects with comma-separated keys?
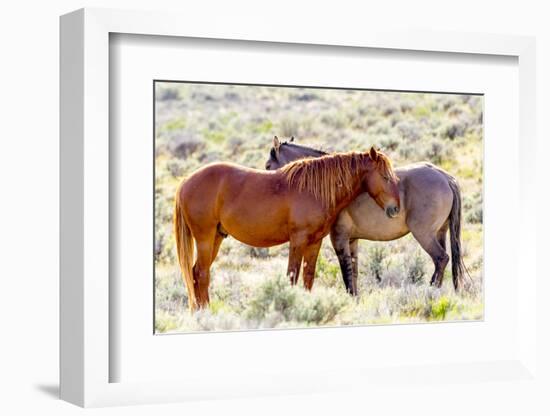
[{"x": 216, "y": 175}]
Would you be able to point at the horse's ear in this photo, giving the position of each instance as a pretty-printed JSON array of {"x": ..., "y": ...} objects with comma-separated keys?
[
  {"x": 276, "y": 143},
  {"x": 292, "y": 139},
  {"x": 373, "y": 154}
]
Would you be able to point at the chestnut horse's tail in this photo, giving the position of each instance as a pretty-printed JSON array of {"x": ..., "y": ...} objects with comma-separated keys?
[
  {"x": 185, "y": 247},
  {"x": 455, "y": 224}
]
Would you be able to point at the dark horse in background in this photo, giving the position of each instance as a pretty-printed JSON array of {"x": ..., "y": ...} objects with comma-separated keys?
[
  {"x": 297, "y": 203},
  {"x": 430, "y": 206}
]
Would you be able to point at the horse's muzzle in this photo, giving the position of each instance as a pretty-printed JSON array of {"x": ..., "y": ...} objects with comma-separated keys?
[{"x": 392, "y": 211}]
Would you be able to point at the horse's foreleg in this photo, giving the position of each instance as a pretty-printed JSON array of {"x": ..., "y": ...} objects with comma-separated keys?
[
  {"x": 342, "y": 248},
  {"x": 295, "y": 255},
  {"x": 310, "y": 261}
]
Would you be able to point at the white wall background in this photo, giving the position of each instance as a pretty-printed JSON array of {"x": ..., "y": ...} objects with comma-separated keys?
[{"x": 29, "y": 57}]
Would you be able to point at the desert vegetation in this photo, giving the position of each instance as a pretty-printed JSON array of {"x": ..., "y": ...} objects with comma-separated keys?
[{"x": 199, "y": 123}]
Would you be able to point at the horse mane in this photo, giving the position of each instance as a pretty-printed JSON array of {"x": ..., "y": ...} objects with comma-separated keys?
[
  {"x": 273, "y": 151},
  {"x": 301, "y": 146},
  {"x": 330, "y": 177}
]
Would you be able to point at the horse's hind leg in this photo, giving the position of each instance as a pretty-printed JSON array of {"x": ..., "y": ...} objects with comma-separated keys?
[
  {"x": 310, "y": 261},
  {"x": 221, "y": 234},
  {"x": 201, "y": 269},
  {"x": 354, "y": 252},
  {"x": 442, "y": 240},
  {"x": 431, "y": 243}
]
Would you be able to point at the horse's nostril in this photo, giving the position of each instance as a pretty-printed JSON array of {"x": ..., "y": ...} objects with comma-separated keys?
[{"x": 392, "y": 211}]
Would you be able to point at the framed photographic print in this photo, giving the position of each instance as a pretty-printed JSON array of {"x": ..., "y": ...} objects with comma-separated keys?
[{"x": 262, "y": 214}]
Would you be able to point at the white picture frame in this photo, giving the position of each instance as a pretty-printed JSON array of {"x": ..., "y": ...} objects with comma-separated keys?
[{"x": 85, "y": 355}]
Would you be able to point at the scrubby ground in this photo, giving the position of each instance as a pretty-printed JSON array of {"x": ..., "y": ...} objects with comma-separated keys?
[{"x": 198, "y": 124}]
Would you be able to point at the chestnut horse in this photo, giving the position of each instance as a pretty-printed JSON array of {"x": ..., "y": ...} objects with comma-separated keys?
[
  {"x": 431, "y": 206},
  {"x": 297, "y": 203}
]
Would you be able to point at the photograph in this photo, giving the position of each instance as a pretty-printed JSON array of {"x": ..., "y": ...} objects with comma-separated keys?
[{"x": 284, "y": 207}]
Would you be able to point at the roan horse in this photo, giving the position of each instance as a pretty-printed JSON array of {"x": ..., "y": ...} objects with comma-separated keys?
[
  {"x": 431, "y": 205},
  {"x": 297, "y": 203}
]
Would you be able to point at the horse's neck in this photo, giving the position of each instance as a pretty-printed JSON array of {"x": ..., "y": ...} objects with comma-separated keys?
[
  {"x": 345, "y": 197},
  {"x": 315, "y": 152},
  {"x": 304, "y": 151}
]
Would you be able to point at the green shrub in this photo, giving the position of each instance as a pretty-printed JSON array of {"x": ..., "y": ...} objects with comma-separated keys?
[
  {"x": 328, "y": 272},
  {"x": 273, "y": 295},
  {"x": 473, "y": 207},
  {"x": 278, "y": 299},
  {"x": 415, "y": 268},
  {"x": 440, "y": 308},
  {"x": 376, "y": 261},
  {"x": 164, "y": 322},
  {"x": 288, "y": 128},
  {"x": 319, "y": 307},
  {"x": 168, "y": 93}
]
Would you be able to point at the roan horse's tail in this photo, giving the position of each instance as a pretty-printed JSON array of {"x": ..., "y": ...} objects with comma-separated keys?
[
  {"x": 185, "y": 246},
  {"x": 458, "y": 267}
]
